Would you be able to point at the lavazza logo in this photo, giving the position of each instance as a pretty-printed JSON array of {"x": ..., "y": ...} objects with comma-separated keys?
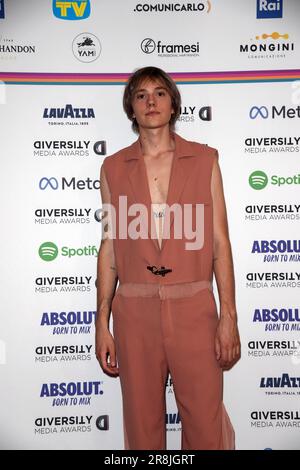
[
  {"x": 173, "y": 7},
  {"x": 150, "y": 46},
  {"x": 69, "y": 115},
  {"x": 74, "y": 322},
  {"x": 68, "y": 148},
  {"x": 63, "y": 284},
  {"x": 284, "y": 384}
]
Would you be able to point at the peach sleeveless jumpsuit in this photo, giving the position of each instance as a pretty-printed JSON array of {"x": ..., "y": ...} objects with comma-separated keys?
[{"x": 164, "y": 311}]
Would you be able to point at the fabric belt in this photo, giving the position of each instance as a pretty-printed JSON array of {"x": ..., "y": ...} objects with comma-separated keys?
[{"x": 163, "y": 291}]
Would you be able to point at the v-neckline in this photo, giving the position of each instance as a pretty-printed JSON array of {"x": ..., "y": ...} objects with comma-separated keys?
[
  {"x": 147, "y": 179},
  {"x": 150, "y": 203}
]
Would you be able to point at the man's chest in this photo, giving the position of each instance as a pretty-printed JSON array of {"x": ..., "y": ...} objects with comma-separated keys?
[{"x": 158, "y": 171}]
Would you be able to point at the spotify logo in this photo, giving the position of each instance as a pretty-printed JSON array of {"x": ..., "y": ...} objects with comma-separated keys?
[
  {"x": 258, "y": 180},
  {"x": 48, "y": 251}
]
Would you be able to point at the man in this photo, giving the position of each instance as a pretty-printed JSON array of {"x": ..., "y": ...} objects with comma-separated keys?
[{"x": 164, "y": 313}]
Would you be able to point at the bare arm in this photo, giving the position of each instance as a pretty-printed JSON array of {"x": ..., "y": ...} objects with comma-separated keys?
[
  {"x": 106, "y": 283},
  {"x": 227, "y": 336}
]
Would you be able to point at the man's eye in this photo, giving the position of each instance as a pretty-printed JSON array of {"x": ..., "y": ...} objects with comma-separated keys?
[
  {"x": 140, "y": 96},
  {"x": 161, "y": 93}
]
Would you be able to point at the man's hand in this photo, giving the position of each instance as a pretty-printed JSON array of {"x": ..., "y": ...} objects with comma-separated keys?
[
  {"x": 227, "y": 342},
  {"x": 106, "y": 351}
]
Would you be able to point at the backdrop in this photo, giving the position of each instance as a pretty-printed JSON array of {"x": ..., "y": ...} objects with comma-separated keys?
[{"x": 63, "y": 69}]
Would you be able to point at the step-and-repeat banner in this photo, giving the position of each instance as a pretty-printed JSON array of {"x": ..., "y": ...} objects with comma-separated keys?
[{"x": 63, "y": 68}]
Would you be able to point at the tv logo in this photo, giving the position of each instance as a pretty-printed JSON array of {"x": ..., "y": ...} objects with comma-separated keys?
[
  {"x": 1, "y": 8},
  {"x": 79, "y": 10},
  {"x": 269, "y": 8}
]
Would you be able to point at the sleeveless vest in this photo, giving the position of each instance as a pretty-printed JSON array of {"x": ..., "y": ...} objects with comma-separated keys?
[{"x": 137, "y": 260}]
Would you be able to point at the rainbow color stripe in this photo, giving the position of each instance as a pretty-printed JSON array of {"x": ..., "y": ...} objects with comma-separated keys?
[{"x": 193, "y": 78}]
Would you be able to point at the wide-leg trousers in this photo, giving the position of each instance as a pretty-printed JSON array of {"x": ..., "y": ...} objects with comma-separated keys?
[{"x": 157, "y": 333}]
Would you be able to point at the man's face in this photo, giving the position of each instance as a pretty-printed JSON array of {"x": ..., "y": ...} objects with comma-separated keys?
[{"x": 152, "y": 105}]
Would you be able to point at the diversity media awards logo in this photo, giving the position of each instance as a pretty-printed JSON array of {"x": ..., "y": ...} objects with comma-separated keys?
[
  {"x": 79, "y": 10},
  {"x": 48, "y": 251}
]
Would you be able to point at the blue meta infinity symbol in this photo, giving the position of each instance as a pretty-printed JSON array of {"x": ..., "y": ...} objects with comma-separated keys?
[
  {"x": 256, "y": 111},
  {"x": 45, "y": 182}
]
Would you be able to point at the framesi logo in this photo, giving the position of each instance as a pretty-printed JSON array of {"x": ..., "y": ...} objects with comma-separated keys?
[
  {"x": 79, "y": 10},
  {"x": 269, "y": 8}
]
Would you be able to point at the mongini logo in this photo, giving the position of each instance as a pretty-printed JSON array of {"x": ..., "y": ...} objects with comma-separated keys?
[
  {"x": 269, "y": 8},
  {"x": 79, "y": 10},
  {"x": 258, "y": 180},
  {"x": 48, "y": 251}
]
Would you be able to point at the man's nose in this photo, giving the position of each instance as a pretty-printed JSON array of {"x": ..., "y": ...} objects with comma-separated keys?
[{"x": 151, "y": 99}]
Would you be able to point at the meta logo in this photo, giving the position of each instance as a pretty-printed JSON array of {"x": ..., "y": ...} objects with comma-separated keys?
[
  {"x": 48, "y": 182},
  {"x": 79, "y": 10},
  {"x": 269, "y": 8},
  {"x": 283, "y": 112},
  {"x": 102, "y": 423},
  {"x": 257, "y": 111},
  {"x": 73, "y": 183},
  {"x": 2, "y": 9}
]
